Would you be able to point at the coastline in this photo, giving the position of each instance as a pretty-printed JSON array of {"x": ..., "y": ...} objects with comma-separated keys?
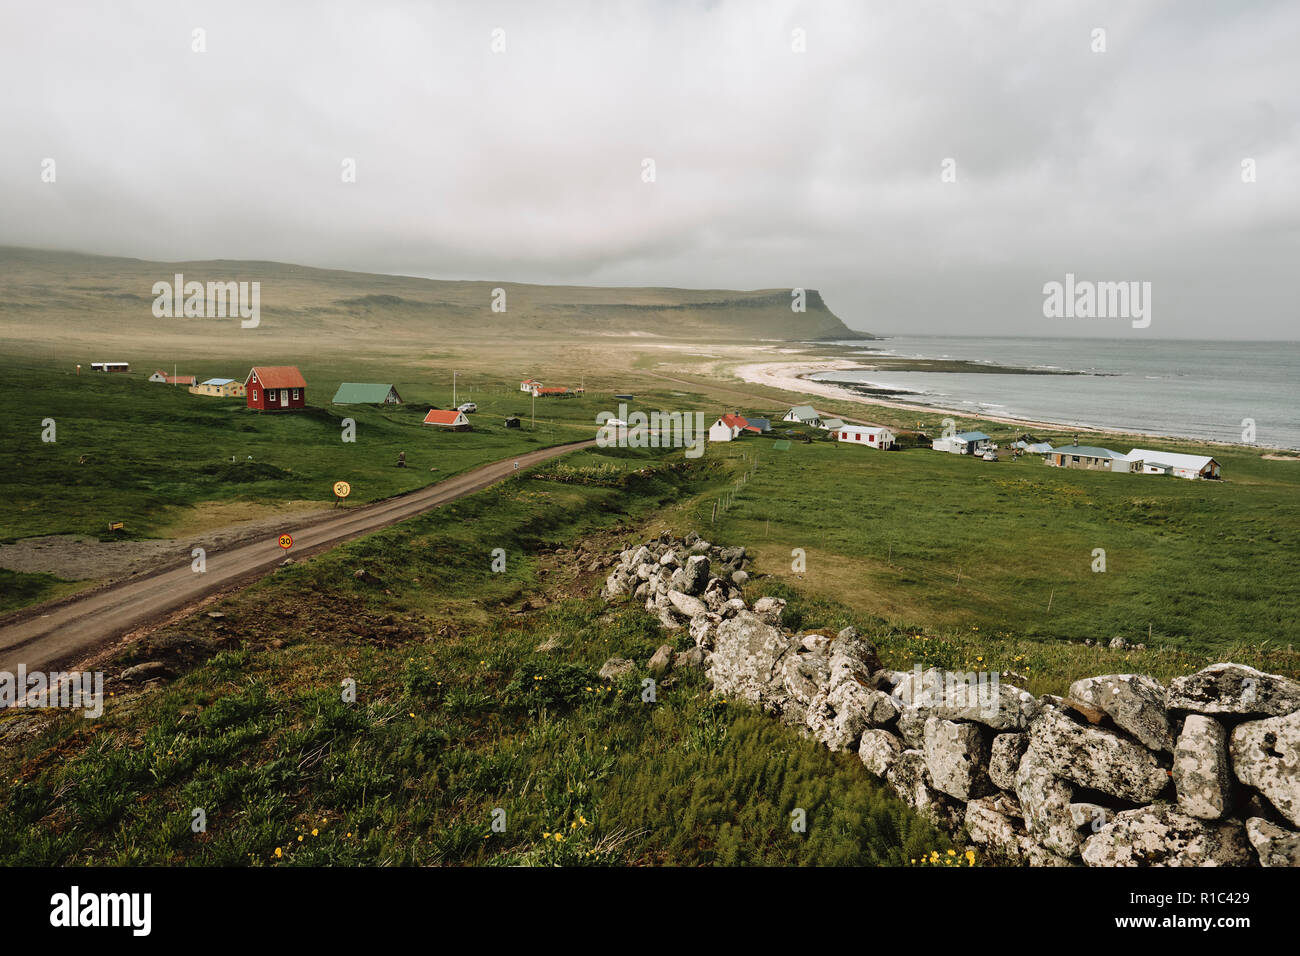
[{"x": 795, "y": 376}]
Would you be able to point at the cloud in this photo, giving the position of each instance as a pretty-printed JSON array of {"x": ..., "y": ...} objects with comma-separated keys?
[{"x": 773, "y": 168}]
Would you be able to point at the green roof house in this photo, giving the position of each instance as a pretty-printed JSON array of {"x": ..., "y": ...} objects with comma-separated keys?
[
  {"x": 805, "y": 414},
  {"x": 357, "y": 393}
]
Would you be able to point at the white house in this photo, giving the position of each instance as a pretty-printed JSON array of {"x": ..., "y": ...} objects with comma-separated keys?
[
  {"x": 963, "y": 443},
  {"x": 873, "y": 436},
  {"x": 729, "y": 428},
  {"x": 804, "y": 414},
  {"x": 1172, "y": 463}
]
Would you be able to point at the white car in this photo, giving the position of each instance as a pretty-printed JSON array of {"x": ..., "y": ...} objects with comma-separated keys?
[{"x": 468, "y": 408}]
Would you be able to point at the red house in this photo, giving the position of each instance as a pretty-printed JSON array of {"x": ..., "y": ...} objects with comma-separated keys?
[{"x": 276, "y": 388}]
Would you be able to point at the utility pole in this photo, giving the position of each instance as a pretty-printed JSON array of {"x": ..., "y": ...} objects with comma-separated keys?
[
  {"x": 533, "y": 392},
  {"x": 453, "y": 389}
]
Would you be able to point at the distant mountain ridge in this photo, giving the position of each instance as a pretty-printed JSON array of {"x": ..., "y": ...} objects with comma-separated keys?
[{"x": 76, "y": 292}]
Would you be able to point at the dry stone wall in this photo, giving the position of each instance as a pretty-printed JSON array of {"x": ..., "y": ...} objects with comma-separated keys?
[{"x": 1122, "y": 771}]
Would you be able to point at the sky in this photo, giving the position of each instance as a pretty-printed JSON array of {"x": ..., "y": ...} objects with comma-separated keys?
[{"x": 927, "y": 166}]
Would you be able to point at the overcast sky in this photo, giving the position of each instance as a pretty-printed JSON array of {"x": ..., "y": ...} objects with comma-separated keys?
[{"x": 773, "y": 168}]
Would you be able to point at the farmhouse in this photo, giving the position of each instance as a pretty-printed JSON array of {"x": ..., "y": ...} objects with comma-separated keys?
[
  {"x": 730, "y": 427},
  {"x": 449, "y": 418},
  {"x": 110, "y": 366},
  {"x": 220, "y": 387},
  {"x": 832, "y": 424},
  {"x": 1170, "y": 463},
  {"x": 1091, "y": 458},
  {"x": 805, "y": 415},
  {"x": 963, "y": 443},
  {"x": 161, "y": 376},
  {"x": 528, "y": 384},
  {"x": 356, "y": 393},
  {"x": 873, "y": 436},
  {"x": 276, "y": 388}
]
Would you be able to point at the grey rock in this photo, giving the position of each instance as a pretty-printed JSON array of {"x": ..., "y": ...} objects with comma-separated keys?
[
  {"x": 1004, "y": 758},
  {"x": 839, "y": 717},
  {"x": 616, "y": 667},
  {"x": 770, "y": 609},
  {"x": 805, "y": 675},
  {"x": 1162, "y": 835},
  {"x": 739, "y": 578},
  {"x": 910, "y": 779},
  {"x": 1202, "y": 775},
  {"x": 1275, "y": 846},
  {"x": 692, "y": 659},
  {"x": 1096, "y": 758},
  {"x": 1135, "y": 702},
  {"x": 747, "y": 656},
  {"x": 911, "y": 726},
  {"x": 1266, "y": 756},
  {"x": 957, "y": 756},
  {"x": 1234, "y": 689},
  {"x": 878, "y": 749},
  {"x": 950, "y": 695},
  {"x": 662, "y": 661},
  {"x": 1118, "y": 643},
  {"x": 990, "y": 825},
  {"x": 149, "y": 670},
  {"x": 693, "y": 577},
  {"x": 702, "y": 630},
  {"x": 687, "y": 606},
  {"x": 1045, "y": 800},
  {"x": 668, "y": 559}
]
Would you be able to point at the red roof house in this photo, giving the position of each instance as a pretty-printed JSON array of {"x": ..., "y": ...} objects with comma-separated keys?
[
  {"x": 448, "y": 418},
  {"x": 276, "y": 388}
]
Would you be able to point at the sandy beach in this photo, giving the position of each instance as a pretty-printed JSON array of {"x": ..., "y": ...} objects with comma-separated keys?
[{"x": 795, "y": 377}]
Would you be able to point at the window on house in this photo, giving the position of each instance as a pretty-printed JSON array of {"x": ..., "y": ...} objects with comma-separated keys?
[
  {"x": 295, "y": 394},
  {"x": 254, "y": 394}
]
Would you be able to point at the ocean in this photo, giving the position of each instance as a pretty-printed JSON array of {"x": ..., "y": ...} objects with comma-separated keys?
[{"x": 1187, "y": 389}]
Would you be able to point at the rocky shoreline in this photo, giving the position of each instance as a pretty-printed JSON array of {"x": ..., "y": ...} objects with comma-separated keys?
[{"x": 1122, "y": 771}]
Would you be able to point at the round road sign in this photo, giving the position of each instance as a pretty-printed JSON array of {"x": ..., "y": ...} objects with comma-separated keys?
[
  {"x": 286, "y": 541},
  {"x": 342, "y": 489}
]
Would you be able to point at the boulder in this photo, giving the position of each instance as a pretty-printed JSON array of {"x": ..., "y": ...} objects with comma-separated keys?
[
  {"x": 1275, "y": 846},
  {"x": 687, "y": 606},
  {"x": 957, "y": 756},
  {"x": 878, "y": 750},
  {"x": 770, "y": 609},
  {"x": 990, "y": 825},
  {"x": 1096, "y": 758},
  {"x": 1266, "y": 756},
  {"x": 953, "y": 695},
  {"x": 693, "y": 577},
  {"x": 1135, "y": 703},
  {"x": 909, "y": 778},
  {"x": 1234, "y": 689},
  {"x": 746, "y": 662},
  {"x": 1004, "y": 758},
  {"x": 692, "y": 659},
  {"x": 668, "y": 559},
  {"x": 1163, "y": 835},
  {"x": 852, "y": 657},
  {"x": 739, "y": 578},
  {"x": 1045, "y": 800},
  {"x": 661, "y": 661},
  {"x": 805, "y": 675},
  {"x": 1202, "y": 775},
  {"x": 839, "y": 717},
  {"x": 702, "y": 630},
  {"x": 616, "y": 667},
  {"x": 911, "y": 726}
]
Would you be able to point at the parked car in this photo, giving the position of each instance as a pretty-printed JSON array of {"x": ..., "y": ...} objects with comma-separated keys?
[{"x": 468, "y": 408}]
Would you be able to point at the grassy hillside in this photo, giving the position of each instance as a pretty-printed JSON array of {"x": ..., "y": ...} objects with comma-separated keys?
[{"x": 71, "y": 300}]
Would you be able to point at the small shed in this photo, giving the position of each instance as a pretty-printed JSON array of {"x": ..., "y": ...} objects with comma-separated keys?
[
  {"x": 359, "y": 393},
  {"x": 513, "y": 422},
  {"x": 451, "y": 418},
  {"x": 762, "y": 424}
]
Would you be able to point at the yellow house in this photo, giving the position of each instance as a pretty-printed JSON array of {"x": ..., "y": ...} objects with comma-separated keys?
[{"x": 220, "y": 387}]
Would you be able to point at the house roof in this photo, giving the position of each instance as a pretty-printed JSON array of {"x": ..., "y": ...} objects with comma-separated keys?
[
  {"x": 362, "y": 393},
  {"x": 218, "y": 381},
  {"x": 804, "y": 411},
  {"x": 735, "y": 421},
  {"x": 972, "y": 436},
  {"x": 450, "y": 416},
  {"x": 553, "y": 390},
  {"x": 760, "y": 423},
  {"x": 1087, "y": 451},
  {"x": 1173, "y": 459},
  {"x": 181, "y": 379},
  {"x": 832, "y": 423},
  {"x": 530, "y": 381},
  {"x": 278, "y": 376}
]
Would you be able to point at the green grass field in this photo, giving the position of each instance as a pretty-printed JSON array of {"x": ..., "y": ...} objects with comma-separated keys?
[{"x": 477, "y": 691}]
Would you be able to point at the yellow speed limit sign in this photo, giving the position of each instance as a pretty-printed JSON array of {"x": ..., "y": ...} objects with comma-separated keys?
[{"x": 342, "y": 489}]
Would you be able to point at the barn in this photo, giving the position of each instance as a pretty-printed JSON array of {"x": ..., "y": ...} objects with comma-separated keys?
[
  {"x": 873, "y": 436},
  {"x": 276, "y": 388},
  {"x": 447, "y": 418},
  {"x": 359, "y": 393},
  {"x": 1180, "y": 466}
]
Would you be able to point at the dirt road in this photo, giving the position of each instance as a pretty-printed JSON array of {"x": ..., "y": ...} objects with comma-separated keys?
[{"x": 52, "y": 635}]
